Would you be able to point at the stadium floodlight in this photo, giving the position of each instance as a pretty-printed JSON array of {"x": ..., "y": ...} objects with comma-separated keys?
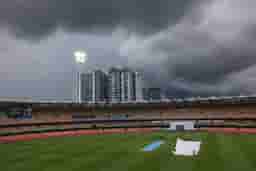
[{"x": 80, "y": 59}]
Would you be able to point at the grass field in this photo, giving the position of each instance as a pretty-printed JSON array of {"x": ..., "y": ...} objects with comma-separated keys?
[{"x": 123, "y": 152}]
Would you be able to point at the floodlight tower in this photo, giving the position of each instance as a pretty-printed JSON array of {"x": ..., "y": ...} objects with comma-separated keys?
[{"x": 80, "y": 59}]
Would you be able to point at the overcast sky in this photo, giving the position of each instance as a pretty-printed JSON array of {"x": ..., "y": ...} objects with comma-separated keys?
[{"x": 188, "y": 47}]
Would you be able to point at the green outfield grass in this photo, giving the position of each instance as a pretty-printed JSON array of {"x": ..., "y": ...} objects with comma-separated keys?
[{"x": 123, "y": 153}]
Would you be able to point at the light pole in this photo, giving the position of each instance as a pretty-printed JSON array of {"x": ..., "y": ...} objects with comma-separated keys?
[{"x": 80, "y": 59}]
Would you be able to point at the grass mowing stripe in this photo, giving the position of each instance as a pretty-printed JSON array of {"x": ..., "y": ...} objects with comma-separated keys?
[
  {"x": 231, "y": 155},
  {"x": 138, "y": 159},
  {"x": 246, "y": 145},
  {"x": 86, "y": 154},
  {"x": 136, "y": 156},
  {"x": 129, "y": 153},
  {"x": 56, "y": 152},
  {"x": 209, "y": 156},
  {"x": 105, "y": 157},
  {"x": 123, "y": 152}
]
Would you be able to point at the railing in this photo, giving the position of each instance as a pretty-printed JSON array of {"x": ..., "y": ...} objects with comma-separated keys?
[
  {"x": 123, "y": 121},
  {"x": 174, "y": 100}
]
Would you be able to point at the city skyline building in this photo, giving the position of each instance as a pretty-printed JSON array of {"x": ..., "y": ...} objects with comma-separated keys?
[
  {"x": 151, "y": 94},
  {"x": 115, "y": 91},
  {"x": 139, "y": 85},
  {"x": 118, "y": 85},
  {"x": 94, "y": 86},
  {"x": 86, "y": 87},
  {"x": 128, "y": 85}
]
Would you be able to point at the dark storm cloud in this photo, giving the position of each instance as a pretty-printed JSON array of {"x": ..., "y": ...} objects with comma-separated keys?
[
  {"x": 200, "y": 47},
  {"x": 217, "y": 63},
  {"x": 34, "y": 18},
  {"x": 205, "y": 49}
]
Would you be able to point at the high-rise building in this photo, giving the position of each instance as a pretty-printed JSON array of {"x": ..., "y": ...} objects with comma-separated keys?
[
  {"x": 145, "y": 94},
  {"x": 122, "y": 85},
  {"x": 128, "y": 85},
  {"x": 152, "y": 94},
  {"x": 94, "y": 86},
  {"x": 115, "y": 85},
  {"x": 139, "y": 82},
  {"x": 86, "y": 87},
  {"x": 99, "y": 86}
]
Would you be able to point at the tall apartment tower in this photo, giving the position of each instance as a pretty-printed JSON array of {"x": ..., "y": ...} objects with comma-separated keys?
[
  {"x": 139, "y": 82},
  {"x": 94, "y": 86},
  {"x": 122, "y": 85},
  {"x": 115, "y": 85},
  {"x": 128, "y": 85},
  {"x": 86, "y": 87}
]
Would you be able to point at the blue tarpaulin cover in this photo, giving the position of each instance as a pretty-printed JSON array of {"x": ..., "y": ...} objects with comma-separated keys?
[{"x": 154, "y": 145}]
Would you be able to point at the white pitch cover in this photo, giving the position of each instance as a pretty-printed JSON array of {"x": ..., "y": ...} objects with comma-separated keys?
[{"x": 187, "y": 148}]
